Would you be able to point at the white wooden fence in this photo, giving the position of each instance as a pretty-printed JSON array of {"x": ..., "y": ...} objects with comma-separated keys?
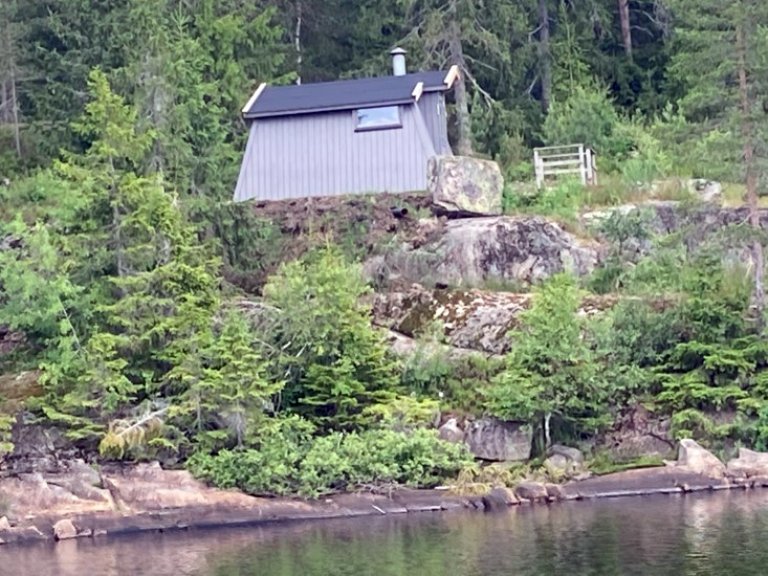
[{"x": 559, "y": 160}]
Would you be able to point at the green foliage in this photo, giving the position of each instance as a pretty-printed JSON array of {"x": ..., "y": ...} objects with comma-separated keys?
[
  {"x": 628, "y": 235},
  {"x": 563, "y": 201},
  {"x": 602, "y": 464},
  {"x": 6, "y": 424},
  {"x": 587, "y": 116},
  {"x": 335, "y": 363},
  {"x": 335, "y": 462},
  {"x": 552, "y": 370}
]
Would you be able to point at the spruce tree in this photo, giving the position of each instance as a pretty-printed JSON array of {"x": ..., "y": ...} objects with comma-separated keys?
[{"x": 721, "y": 61}]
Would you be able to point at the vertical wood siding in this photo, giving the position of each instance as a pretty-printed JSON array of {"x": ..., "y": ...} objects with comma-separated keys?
[
  {"x": 432, "y": 106},
  {"x": 322, "y": 155}
]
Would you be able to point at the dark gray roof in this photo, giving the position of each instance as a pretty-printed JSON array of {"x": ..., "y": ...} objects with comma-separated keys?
[{"x": 342, "y": 94}]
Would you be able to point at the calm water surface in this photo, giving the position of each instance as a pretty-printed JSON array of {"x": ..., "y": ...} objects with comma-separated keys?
[{"x": 715, "y": 535}]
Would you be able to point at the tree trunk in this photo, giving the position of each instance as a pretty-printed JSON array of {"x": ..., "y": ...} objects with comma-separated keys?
[
  {"x": 547, "y": 431},
  {"x": 758, "y": 295},
  {"x": 463, "y": 119},
  {"x": 14, "y": 103},
  {"x": 626, "y": 31},
  {"x": 545, "y": 57},
  {"x": 297, "y": 40},
  {"x": 9, "y": 104}
]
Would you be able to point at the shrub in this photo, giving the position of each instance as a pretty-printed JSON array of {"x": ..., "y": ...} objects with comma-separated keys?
[
  {"x": 336, "y": 462},
  {"x": 334, "y": 362},
  {"x": 586, "y": 117}
]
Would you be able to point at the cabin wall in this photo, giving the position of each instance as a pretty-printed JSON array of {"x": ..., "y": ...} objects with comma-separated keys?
[
  {"x": 432, "y": 106},
  {"x": 322, "y": 155}
]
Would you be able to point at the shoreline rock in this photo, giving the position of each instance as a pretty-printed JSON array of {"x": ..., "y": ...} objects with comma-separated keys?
[{"x": 81, "y": 502}]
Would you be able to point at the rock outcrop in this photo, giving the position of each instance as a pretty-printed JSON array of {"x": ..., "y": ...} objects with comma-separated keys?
[
  {"x": 464, "y": 186},
  {"x": 693, "y": 457},
  {"x": 477, "y": 251},
  {"x": 636, "y": 433},
  {"x": 470, "y": 319},
  {"x": 141, "y": 497},
  {"x": 499, "y": 441},
  {"x": 749, "y": 464}
]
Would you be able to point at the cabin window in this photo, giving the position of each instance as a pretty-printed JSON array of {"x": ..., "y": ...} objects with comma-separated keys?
[{"x": 377, "y": 118}]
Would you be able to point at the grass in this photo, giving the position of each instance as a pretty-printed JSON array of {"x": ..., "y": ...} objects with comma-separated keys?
[
  {"x": 565, "y": 200},
  {"x": 602, "y": 464}
]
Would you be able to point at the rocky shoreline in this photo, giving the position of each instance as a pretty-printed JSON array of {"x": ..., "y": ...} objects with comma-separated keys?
[{"x": 80, "y": 501}]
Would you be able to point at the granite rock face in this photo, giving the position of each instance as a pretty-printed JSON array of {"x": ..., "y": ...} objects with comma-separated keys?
[
  {"x": 477, "y": 320},
  {"x": 514, "y": 250},
  {"x": 636, "y": 433},
  {"x": 499, "y": 441},
  {"x": 464, "y": 186}
]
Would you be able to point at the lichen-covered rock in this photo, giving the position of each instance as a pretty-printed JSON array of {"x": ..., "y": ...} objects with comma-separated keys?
[
  {"x": 470, "y": 319},
  {"x": 749, "y": 464},
  {"x": 499, "y": 441},
  {"x": 695, "y": 458},
  {"x": 519, "y": 250},
  {"x": 461, "y": 185}
]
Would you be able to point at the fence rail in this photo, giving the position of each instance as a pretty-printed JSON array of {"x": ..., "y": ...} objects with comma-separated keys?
[{"x": 559, "y": 160}]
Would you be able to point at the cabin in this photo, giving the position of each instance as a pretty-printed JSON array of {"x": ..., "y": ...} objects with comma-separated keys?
[{"x": 359, "y": 136}]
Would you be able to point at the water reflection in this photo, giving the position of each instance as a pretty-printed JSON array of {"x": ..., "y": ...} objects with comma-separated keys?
[{"x": 714, "y": 535}]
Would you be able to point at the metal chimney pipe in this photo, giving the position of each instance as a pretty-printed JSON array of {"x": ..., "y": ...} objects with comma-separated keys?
[{"x": 398, "y": 61}]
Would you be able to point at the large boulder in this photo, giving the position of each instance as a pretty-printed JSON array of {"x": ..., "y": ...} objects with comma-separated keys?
[
  {"x": 498, "y": 440},
  {"x": 695, "y": 458},
  {"x": 451, "y": 432},
  {"x": 706, "y": 190},
  {"x": 512, "y": 250},
  {"x": 564, "y": 461},
  {"x": 532, "y": 491},
  {"x": 465, "y": 186},
  {"x": 749, "y": 464},
  {"x": 499, "y": 498},
  {"x": 64, "y": 530}
]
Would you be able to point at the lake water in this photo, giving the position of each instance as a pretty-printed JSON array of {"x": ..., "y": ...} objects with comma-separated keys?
[{"x": 710, "y": 535}]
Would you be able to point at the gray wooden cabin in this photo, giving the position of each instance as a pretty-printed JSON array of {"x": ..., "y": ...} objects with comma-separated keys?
[{"x": 347, "y": 137}]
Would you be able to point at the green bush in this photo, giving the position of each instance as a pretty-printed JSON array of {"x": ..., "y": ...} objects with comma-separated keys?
[
  {"x": 335, "y": 364},
  {"x": 333, "y": 463},
  {"x": 587, "y": 117}
]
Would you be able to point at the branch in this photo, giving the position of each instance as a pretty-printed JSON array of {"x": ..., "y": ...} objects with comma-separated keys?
[
  {"x": 139, "y": 423},
  {"x": 488, "y": 98}
]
